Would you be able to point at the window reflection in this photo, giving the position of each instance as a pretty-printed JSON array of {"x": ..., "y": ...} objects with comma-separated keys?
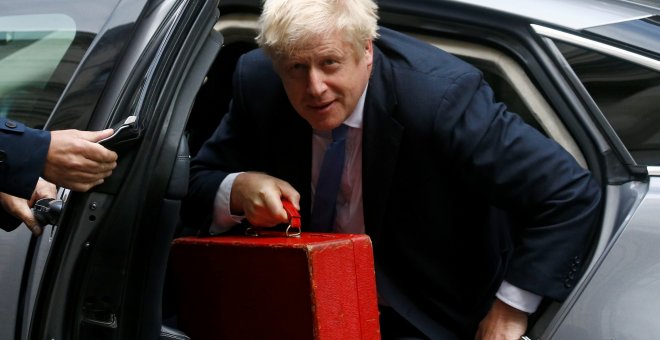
[
  {"x": 627, "y": 94},
  {"x": 33, "y": 51}
]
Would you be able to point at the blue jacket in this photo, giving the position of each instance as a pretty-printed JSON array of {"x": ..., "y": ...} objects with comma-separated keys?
[
  {"x": 22, "y": 157},
  {"x": 458, "y": 193}
]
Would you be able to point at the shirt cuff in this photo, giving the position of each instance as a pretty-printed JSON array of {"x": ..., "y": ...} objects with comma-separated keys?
[
  {"x": 518, "y": 298},
  {"x": 223, "y": 220}
]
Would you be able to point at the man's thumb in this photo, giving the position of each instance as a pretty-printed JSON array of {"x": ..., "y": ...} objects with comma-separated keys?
[
  {"x": 30, "y": 221},
  {"x": 95, "y": 136}
]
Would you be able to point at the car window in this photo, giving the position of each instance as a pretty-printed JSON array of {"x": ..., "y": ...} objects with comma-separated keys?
[
  {"x": 626, "y": 93},
  {"x": 33, "y": 53}
]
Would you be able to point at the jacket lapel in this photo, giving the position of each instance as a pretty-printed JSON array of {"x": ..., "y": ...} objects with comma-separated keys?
[{"x": 381, "y": 139}]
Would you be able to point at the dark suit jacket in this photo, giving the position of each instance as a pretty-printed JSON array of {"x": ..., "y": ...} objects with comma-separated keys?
[
  {"x": 22, "y": 157},
  {"x": 458, "y": 193}
]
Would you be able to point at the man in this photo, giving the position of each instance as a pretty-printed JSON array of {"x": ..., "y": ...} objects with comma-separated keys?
[
  {"x": 469, "y": 231},
  {"x": 69, "y": 158}
]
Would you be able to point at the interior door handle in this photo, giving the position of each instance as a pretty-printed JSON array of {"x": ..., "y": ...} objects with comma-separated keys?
[{"x": 124, "y": 135}]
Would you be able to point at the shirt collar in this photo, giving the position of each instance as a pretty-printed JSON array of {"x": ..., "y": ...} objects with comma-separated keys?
[{"x": 355, "y": 119}]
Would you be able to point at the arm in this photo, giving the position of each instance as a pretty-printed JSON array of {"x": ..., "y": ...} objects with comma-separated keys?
[
  {"x": 19, "y": 208},
  {"x": 240, "y": 144},
  {"x": 502, "y": 322},
  {"x": 257, "y": 197},
  {"x": 69, "y": 158},
  {"x": 553, "y": 201},
  {"x": 23, "y": 154},
  {"x": 76, "y": 161}
]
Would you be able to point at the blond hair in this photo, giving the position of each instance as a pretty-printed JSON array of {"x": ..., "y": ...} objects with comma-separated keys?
[{"x": 287, "y": 25}]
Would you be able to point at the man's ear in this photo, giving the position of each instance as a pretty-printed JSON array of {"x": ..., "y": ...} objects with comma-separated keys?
[{"x": 369, "y": 53}]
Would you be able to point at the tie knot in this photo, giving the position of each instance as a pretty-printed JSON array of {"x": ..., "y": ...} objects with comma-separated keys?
[{"x": 339, "y": 133}]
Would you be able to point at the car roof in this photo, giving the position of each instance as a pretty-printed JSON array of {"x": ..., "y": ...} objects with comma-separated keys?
[{"x": 573, "y": 14}]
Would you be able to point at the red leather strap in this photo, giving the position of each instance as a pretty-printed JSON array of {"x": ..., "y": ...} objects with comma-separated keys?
[
  {"x": 293, "y": 230},
  {"x": 292, "y": 213}
]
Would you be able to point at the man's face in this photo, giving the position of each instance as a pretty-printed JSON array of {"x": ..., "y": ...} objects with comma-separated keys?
[{"x": 324, "y": 80}]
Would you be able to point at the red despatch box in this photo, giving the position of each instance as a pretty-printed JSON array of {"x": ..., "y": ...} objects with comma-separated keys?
[{"x": 316, "y": 286}]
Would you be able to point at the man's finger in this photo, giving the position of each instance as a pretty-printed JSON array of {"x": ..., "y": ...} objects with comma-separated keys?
[
  {"x": 274, "y": 206},
  {"x": 95, "y": 136},
  {"x": 99, "y": 153},
  {"x": 35, "y": 229},
  {"x": 290, "y": 194},
  {"x": 24, "y": 213}
]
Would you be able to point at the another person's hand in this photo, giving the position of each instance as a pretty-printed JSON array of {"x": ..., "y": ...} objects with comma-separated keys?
[
  {"x": 502, "y": 322},
  {"x": 259, "y": 197},
  {"x": 76, "y": 161},
  {"x": 20, "y": 208}
]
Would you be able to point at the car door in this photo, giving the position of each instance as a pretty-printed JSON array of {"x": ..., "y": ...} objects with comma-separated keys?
[
  {"x": 604, "y": 93},
  {"x": 103, "y": 274},
  {"x": 616, "y": 69},
  {"x": 602, "y": 105},
  {"x": 42, "y": 44}
]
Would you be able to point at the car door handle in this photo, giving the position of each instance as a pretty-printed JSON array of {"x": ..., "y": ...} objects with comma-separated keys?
[
  {"x": 124, "y": 135},
  {"x": 47, "y": 211}
]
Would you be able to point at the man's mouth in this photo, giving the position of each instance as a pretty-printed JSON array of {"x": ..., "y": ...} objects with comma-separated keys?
[{"x": 320, "y": 107}]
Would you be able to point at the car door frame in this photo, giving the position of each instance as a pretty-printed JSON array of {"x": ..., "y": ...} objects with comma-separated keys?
[{"x": 105, "y": 272}]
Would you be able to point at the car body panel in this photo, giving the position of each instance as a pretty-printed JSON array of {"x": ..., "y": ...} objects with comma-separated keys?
[{"x": 621, "y": 298}]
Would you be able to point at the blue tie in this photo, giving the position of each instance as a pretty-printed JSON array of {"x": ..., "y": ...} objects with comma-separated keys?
[{"x": 327, "y": 185}]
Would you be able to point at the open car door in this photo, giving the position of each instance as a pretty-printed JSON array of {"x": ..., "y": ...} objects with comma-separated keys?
[{"x": 99, "y": 273}]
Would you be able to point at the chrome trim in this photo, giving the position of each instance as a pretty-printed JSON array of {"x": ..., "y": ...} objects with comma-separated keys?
[
  {"x": 574, "y": 14},
  {"x": 110, "y": 323},
  {"x": 597, "y": 46},
  {"x": 653, "y": 170}
]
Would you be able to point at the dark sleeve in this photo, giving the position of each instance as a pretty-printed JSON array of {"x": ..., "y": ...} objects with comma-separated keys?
[
  {"x": 553, "y": 200},
  {"x": 23, "y": 154},
  {"x": 8, "y": 222},
  {"x": 227, "y": 151}
]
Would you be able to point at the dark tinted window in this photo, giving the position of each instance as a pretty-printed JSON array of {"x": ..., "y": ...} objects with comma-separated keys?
[
  {"x": 42, "y": 42},
  {"x": 627, "y": 94},
  {"x": 32, "y": 47}
]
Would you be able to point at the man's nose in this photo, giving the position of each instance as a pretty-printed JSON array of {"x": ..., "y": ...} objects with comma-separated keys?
[{"x": 316, "y": 85}]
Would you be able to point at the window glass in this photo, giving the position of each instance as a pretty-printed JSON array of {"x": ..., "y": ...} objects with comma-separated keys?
[
  {"x": 33, "y": 56},
  {"x": 627, "y": 94}
]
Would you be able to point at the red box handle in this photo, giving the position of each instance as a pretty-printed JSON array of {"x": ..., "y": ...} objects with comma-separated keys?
[
  {"x": 294, "y": 219},
  {"x": 294, "y": 228}
]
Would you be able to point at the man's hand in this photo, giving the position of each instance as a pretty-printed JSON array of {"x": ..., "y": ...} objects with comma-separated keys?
[
  {"x": 259, "y": 197},
  {"x": 502, "y": 322},
  {"x": 76, "y": 161},
  {"x": 20, "y": 208}
]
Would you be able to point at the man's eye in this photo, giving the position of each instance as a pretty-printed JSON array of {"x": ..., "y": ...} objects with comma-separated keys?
[{"x": 329, "y": 62}]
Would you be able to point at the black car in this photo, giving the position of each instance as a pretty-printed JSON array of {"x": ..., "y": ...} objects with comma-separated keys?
[{"x": 585, "y": 73}]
